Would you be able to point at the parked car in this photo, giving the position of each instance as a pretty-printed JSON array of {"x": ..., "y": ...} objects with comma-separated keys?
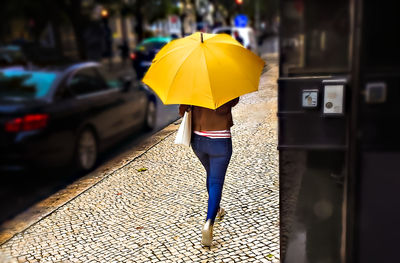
[
  {"x": 203, "y": 27},
  {"x": 246, "y": 33},
  {"x": 67, "y": 115},
  {"x": 145, "y": 52},
  {"x": 12, "y": 55}
]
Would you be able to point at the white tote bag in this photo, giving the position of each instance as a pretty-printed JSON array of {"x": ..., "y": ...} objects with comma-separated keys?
[{"x": 185, "y": 130}]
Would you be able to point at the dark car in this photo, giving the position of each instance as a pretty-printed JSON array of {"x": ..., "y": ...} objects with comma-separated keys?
[
  {"x": 145, "y": 52},
  {"x": 12, "y": 55},
  {"x": 67, "y": 115}
]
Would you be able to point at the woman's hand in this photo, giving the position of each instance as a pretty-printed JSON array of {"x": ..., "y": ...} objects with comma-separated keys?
[{"x": 183, "y": 108}]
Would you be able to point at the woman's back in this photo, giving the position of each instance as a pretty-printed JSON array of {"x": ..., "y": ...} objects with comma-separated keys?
[{"x": 204, "y": 119}]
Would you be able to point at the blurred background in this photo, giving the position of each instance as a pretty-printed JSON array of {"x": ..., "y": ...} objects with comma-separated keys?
[
  {"x": 109, "y": 29},
  {"x": 71, "y": 96}
]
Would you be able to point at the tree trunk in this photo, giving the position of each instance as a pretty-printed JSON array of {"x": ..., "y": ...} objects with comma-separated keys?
[
  {"x": 124, "y": 32},
  {"x": 196, "y": 15},
  {"x": 139, "y": 20},
  {"x": 182, "y": 18},
  {"x": 79, "y": 39},
  {"x": 78, "y": 25},
  {"x": 57, "y": 37}
]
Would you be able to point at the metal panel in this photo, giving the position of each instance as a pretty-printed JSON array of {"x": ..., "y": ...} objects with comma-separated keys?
[
  {"x": 379, "y": 213},
  {"x": 304, "y": 127}
]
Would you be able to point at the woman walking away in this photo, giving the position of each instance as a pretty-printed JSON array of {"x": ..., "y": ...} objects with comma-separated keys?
[{"x": 211, "y": 142}]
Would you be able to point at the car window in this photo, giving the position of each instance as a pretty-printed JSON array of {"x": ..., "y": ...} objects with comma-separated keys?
[
  {"x": 224, "y": 31},
  {"x": 86, "y": 81},
  {"x": 112, "y": 80},
  {"x": 151, "y": 45},
  {"x": 11, "y": 57},
  {"x": 22, "y": 84}
]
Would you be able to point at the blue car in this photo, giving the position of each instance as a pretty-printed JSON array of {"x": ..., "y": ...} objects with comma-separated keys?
[{"x": 145, "y": 52}]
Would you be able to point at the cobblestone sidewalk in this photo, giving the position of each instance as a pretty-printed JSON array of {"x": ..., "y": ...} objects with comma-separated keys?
[{"x": 152, "y": 209}]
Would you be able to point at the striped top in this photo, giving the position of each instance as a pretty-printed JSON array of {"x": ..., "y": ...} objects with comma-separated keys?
[{"x": 215, "y": 134}]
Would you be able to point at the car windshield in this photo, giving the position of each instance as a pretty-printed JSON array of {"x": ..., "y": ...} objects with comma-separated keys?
[
  {"x": 151, "y": 45},
  {"x": 225, "y": 31},
  {"x": 312, "y": 42},
  {"x": 11, "y": 57},
  {"x": 21, "y": 84}
]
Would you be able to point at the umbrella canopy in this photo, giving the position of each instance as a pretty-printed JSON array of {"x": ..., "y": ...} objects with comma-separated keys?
[{"x": 205, "y": 70}]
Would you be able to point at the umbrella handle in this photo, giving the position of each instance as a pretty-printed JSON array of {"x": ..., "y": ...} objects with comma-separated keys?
[{"x": 201, "y": 34}]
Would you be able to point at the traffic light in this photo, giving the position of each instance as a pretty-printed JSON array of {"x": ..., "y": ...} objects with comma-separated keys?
[
  {"x": 104, "y": 16},
  {"x": 107, "y": 51},
  {"x": 239, "y": 2}
]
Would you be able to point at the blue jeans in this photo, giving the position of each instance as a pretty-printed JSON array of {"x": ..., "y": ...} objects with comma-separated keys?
[{"x": 215, "y": 155}]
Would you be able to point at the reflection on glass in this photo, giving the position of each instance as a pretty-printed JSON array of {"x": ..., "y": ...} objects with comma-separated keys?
[
  {"x": 314, "y": 37},
  {"x": 21, "y": 84},
  {"x": 311, "y": 206}
]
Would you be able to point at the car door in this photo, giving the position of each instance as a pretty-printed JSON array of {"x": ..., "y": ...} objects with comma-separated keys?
[
  {"x": 253, "y": 42},
  {"x": 101, "y": 103},
  {"x": 135, "y": 99},
  {"x": 132, "y": 97}
]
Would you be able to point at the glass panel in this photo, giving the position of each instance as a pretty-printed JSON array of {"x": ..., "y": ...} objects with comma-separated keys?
[
  {"x": 311, "y": 197},
  {"x": 86, "y": 81},
  {"x": 314, "y": 37},
  {"x": 10, "y": 56},
  {"x": 381, "y": 22},
  {"x": 109, "y": 76},
  {"x": 21, "y": 84}
]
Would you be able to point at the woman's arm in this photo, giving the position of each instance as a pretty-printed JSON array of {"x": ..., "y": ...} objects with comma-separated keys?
[
  {"x": 234, "y": 102},
  {"x": 224, "y": 109}
]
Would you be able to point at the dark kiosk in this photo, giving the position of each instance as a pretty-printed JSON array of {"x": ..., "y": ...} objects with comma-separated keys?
[{"x": 339, "y": 138}]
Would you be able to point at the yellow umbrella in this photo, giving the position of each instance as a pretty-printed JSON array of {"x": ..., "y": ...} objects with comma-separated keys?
[{"x": 205, "y": 70}]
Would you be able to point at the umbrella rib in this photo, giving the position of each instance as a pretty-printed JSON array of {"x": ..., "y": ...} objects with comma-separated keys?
[
  {"x": 245, "y": 50},
  {"x": 179, "y": 69},
  {"x": 222, "y": 41},
  {"x": 239, "y": 72},
  {"x": 209, "y": 81},
  {"x": 170, "y": 51},
  {"x": 197, "y": 37}
]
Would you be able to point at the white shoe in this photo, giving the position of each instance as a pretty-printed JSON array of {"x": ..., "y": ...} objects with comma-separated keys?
[
  {"x": 220, "y": 214},
  {"x": 207, "y": 234}
]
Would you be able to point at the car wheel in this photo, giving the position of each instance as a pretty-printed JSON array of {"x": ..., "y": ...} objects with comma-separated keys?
[
  {"x": 151, "y": 116},
  {"x": 86, "y": 150}
]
